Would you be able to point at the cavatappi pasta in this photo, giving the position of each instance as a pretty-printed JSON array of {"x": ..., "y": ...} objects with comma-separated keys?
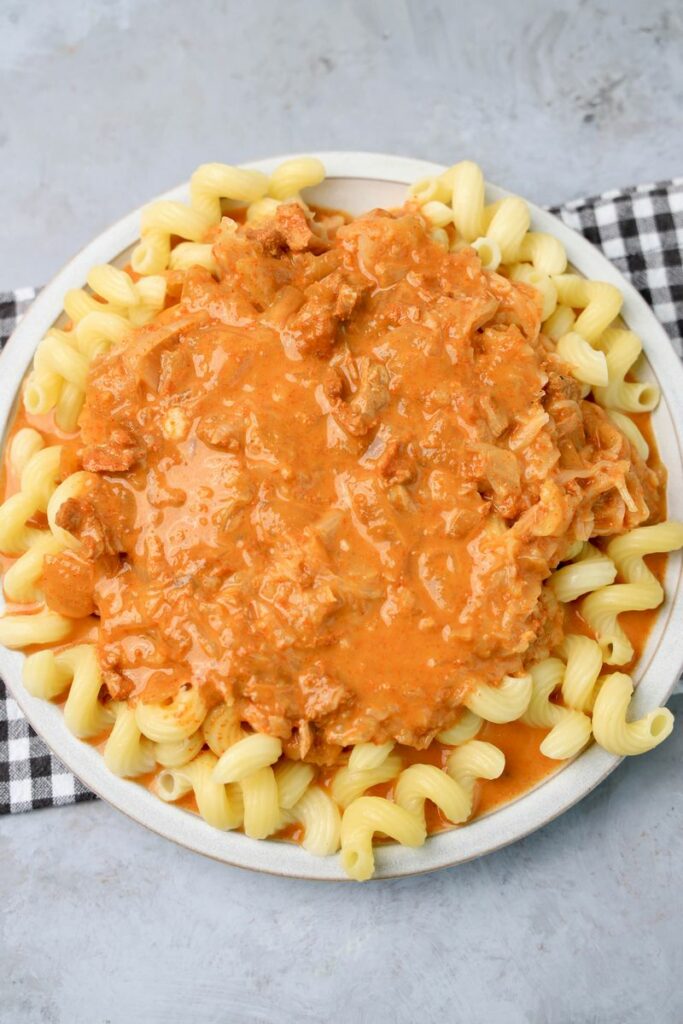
[{"x": 305, "y": 512}]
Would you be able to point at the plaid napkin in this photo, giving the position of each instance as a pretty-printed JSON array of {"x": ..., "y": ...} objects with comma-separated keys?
[{"x": 639, "y": 229}]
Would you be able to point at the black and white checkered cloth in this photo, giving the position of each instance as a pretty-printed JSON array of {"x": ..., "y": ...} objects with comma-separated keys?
[{"x": 639, "y": 229}]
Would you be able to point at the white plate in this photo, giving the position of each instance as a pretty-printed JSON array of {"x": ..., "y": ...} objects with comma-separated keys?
[{"x": 356, "y": 182}]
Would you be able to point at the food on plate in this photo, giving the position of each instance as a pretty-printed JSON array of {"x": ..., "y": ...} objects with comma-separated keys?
[{"x": 323, "y": 526}]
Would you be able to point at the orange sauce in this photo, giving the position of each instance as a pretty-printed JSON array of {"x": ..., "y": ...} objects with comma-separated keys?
[{"x": 356, "y": 586}]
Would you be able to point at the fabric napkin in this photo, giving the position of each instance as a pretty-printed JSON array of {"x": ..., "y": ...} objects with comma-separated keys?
[{"x": 640, "y": 229}]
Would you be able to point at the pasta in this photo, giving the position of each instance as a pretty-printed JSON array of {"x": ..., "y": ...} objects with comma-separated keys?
[
  {"x": 47, "y": 675},
  {"x": 247, "y": 756},
  {"x": 23, "y": 576},
  {"x": 176, "y": 753},
  {"x": 570, "y": 730},
  {"x": 211, "y": 182},
  {"x": 468, "y": 200},
  {"x": 332, "y": 506},
  {"x": 503, "y": 703},
  {"x": 453, "y": 790},
  {"x": 475, "y": 760},
  {"x": 348, "y": 785},
  {"x": 428, "y": 190},
  {"x": 588, "y": 364},
  {"x": 221, "y": 728},
  {"x": 321, "y": 821},
  {"x": 219, "y": 805},
  {"x": 168, "y": 723},
  {"x": 545, "y": 252},
  {"x": 610, "y": 725},
  {"x": 127, "y": 753},
  {"x": 599, "y": 303},
  {"x": 192, "y": 254},
  {"x": 560, "y": 322},
  {"x": 622, "y": 348},
  {"x": 541, "y": 282},
  {"x": 421, "y": 782},
  {"x": 366, "y": 756},
  {"x": 641, "y": 591},
  {"x": 507, "y": 227},
  {"x": 292, "y": 176},
  {"x": 43, "y": 627},
  {"x": 466, "y": 728},
  {"x": 38, "y": 483},
  {"x": 488, "y": 251},
  {"x": 160, "y": 220},
  {"x": 439, "y": 214},
  {"x": 25, "y": 444},
  {"x": 583, "y": 665},
  {"x": 293, "y": 779},
  {"x": 260, "y": 796},
  {"x": 587, "y": 571},
  {"x": 361, "y": 820}
]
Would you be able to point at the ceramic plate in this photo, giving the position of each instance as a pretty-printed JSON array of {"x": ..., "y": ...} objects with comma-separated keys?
[{"x": 357, "y": 182}]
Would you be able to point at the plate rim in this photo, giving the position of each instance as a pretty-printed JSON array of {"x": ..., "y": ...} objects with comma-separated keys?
[{"x": 515, "y": 820}]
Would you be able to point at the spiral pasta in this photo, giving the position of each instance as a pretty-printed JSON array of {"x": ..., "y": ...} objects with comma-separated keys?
[
  {"x": 475, "y": 760},
  {"x": 362, "y": 819},
  {"x": 539, "y": 280},
  {"x": 292, "y": 176},
  {"x": 588, "y": 364},
  {"x": 168, "y": 723},
  {"x": 321, "y": 821},
  {"x": 503, "y": 703},
  {"x": 570, "y": 730},
  {"x": 219, "y": 805},
  {"x": 622, "y": 348},
  {"x": 588, "y": 570},
  {"x": 468, "y": 200},
  {"x": 348, "y": 785},
  {"x": 48, "y": 675},
  {"x": 641, "y": 591},
  {"x": 247, "y": 756},
  {"x": 39, "y": 479},
  {"x": 583, "y": 658},
  {"x": 293, "y": 779},
  {"x": 599, "y": 302},
  {"x": 545, "y": 252},
  {"x": 421, "y": 782},
  {"x": 488, "y": 251},
  {"x": 127, "y": 753},
  {"x": 212, "y": 182},
  {"x": 176, "y": 753},
  {"x": 466, "y": 728},
  {"x": 611, "y": 727},
  {"x": 508, "y": 226},
  {"x": 366, "y": 756}
]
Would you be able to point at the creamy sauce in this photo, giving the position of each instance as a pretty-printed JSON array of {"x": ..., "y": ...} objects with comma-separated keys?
[{"x": 328, "y": 488}]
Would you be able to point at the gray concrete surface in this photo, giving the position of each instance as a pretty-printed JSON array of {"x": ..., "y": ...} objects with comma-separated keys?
[{"x": 105, "y": 104}]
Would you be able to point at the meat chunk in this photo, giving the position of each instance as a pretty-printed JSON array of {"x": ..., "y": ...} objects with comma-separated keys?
[
  {"x": 313, "y": 329},
  {"x": 116, "y": 455},
  {"x": 394, "y": 466},
  {"x": 80, "y": 517},
  {"x": 224, "y": 430},
  {"x": 499, "y": 477},
  {"x": 118, "y": 686},
  {"x": 359, "y": 414},
  {"x": 68, "y": 582},
  {"x": 289, "y": 230},
  {"x": 347, "y": 300}
]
